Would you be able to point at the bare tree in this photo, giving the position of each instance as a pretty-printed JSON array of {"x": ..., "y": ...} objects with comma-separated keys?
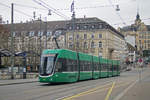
[{"x": 4, "y": 34}]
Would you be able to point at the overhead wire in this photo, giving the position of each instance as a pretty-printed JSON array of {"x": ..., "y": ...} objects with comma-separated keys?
[
  {"x": 16, "y": 10},
  {"x": 80, "y": 8},
  {"x": 49, "y": 8},
  {"x": 117, "y": 13},
  {"x": 27, "y": 6},
  {"x": 62, "y": 9}
]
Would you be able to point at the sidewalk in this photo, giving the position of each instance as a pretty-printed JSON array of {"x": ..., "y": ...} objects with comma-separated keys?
[{"x": 17, "y": 81}]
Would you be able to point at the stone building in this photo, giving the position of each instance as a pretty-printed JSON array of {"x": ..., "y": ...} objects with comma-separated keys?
[
  {"x": 35, "y": 36},
  {"x": 140, "y": 31},
  {"x": 89, "y": 35},
  {"x": 94, "y": 36}
]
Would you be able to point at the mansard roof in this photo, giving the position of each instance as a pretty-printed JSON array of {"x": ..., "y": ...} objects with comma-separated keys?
[{"x": 52, "y": 25}]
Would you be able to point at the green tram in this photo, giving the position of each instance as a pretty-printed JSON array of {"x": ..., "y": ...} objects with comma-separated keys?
[{"x": 61, "y": 65}]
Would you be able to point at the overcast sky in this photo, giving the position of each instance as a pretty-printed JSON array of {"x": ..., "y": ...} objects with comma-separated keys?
[{"x": 102, "y": 9}]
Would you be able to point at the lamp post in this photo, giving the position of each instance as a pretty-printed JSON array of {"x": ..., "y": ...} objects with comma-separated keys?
[
  {"x": 46, "y": 32},
  {"x": 40, "y": 35},
  {"x": 12, "y": 41}
]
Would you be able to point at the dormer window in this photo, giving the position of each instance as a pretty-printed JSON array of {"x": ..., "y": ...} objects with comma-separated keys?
[
  {"x": 93, "y": 26},
  {"x": 31, "y": 33},
  {"x": 85, "y": 26},
  {"x": 78, "y": 27},
  {"x": 40, "y": 33},
  {"x": 100, "y": 26},
  {"x": 49, "y": 33},
  {"x": 70, "y": 27}
]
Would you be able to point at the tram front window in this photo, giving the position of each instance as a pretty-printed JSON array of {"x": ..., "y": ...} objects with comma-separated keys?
[{"x": 47, "y": 64}]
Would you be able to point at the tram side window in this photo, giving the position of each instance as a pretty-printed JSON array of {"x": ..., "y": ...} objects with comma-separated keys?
[
  {"x": 60, "y": 65},
  {"x": 115, "y": 67},
  {"x": 74, "y": 65},
  {"x": 81, "y": 66},
  {"x": 89, "y": 65},
  {"x": 85, "y": 66},
  {"x": 96, "y": 66},
  {"x": 104, "y": 67},
  {"x": 71, "y": 65},
  {"x": 111, "y": 67},
  {"x": 108, "y": 67}
]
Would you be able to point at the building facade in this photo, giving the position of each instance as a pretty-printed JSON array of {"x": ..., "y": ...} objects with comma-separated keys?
[
  {"x": 96, "y": 37},
  {"x": 141, "y": 32},
  {"x": 35, "y": 36}
]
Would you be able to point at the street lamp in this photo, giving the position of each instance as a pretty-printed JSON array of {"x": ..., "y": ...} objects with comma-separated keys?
[
  {"x": 40, "y": 35},
  {"x": 46, "y": 32},
  {"x": 12, "y": 41}
]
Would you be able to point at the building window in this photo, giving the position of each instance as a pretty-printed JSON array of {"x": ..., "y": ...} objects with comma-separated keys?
[
  {"x": 77, "y": 44},
  {"x": 70, "y": 45},
  {"x": 92, "y": 36},
  {"x": 100, "y": 36},
  {"x": 40, "y": 33},
  {"x": 49, "y": 33},
  {"x": 100, "y": 26},
  {"x": 92, "y": 44},
  {"x": 14, "y": 34},
  {"x": 78, "y": 27},
  {"x": 93, "y": 26},
  {"x": 85, "y": 36},
  {"x": 77, "y": 36},
  {"x": 70, "y": 37},
  {"x": 31, "y": 33},
  {"x": 70, "y": 28},
  {"x": 100, "y": 44},
  {"x": 85, "y": 44},
  {"x": 85, "y": 26}
]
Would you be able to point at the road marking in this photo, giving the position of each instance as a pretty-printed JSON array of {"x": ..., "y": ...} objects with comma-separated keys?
[
  {"x": 122, "y": 93},
  {"x": 105, "y": 88},
  {"x": 94, "y": 90},
  {"x": 109, "y": 92},
  {"x": 86, "y": 92},
  {"x": 63, "y": 97}
]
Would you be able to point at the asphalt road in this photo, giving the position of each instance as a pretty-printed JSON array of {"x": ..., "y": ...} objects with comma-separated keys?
[{"x": 115, "y": 88}]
